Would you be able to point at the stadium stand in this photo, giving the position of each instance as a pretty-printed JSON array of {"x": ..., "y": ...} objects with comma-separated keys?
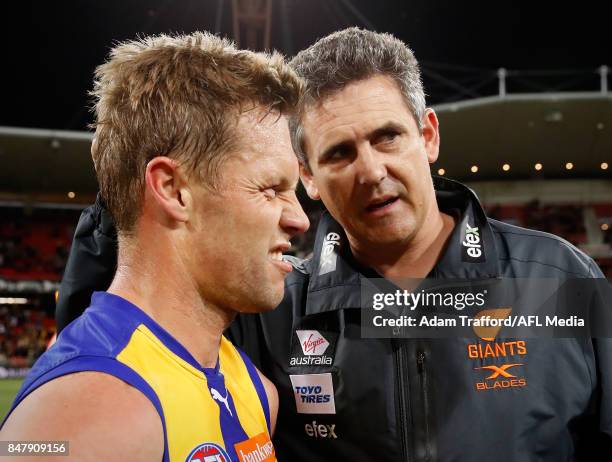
[
  {"x": 34, "y": 244},
  {"x": 24, "y": 335}
]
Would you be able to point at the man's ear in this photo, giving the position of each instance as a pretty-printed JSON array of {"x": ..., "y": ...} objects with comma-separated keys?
[
  {"x": 166, "y": 185},
  {"x": 308, "y": 182},
  {"x": 431, "y": 135}
]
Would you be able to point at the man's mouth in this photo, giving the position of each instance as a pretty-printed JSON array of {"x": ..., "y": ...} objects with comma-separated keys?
[
  {"x": 276, "y": 256},
  {"x": 381, "y": 203}
]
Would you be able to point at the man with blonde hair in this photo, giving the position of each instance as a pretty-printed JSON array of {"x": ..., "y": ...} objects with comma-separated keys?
[{"x": 194, "y": 161}]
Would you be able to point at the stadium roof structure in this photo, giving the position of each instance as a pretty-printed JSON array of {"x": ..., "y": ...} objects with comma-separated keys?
[
  {"x": 45, "y": 165},
  {"x": 505, "y": 137},
  {"x": 488, "y": 116},
  {"x": 520, "y": 130}
]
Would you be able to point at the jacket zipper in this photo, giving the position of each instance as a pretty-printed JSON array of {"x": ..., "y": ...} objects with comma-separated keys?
[
  {"x": 422, "y": 370},
  {"x": 402, "y": 390}
]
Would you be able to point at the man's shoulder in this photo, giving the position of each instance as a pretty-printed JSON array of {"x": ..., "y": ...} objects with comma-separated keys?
[
  {"x": 100, "y": 331},
  {"x": 551, "y": 254},
  {"x": 90, "y": 342},
  {"x": 82, "y": 406}
]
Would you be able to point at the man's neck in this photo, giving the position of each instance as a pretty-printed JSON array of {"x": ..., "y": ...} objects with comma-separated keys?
[
  {"x": 168, "y": 297},
  {"x": 414, "y": 258}
]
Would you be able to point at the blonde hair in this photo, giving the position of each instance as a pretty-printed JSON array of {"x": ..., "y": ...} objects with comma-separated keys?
[{"x": 176, "y": 96}]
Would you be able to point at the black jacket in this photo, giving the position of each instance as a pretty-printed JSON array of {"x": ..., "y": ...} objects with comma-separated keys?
[{"x": 343, "y": 397}]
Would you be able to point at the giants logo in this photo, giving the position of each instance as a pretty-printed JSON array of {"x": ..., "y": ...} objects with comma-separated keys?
[
  {"x": 496, "y": 349},
  {"x": 500, "y": 376}
]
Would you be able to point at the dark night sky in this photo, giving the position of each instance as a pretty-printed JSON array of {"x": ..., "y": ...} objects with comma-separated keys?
[{"x": 50, "y": 48}]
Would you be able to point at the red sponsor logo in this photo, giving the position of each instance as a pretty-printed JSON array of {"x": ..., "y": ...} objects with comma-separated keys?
[{"x": 312, "y": 342}]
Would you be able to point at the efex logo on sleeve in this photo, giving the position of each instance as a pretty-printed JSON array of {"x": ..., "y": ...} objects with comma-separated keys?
[{"x": 313, "y": 348}]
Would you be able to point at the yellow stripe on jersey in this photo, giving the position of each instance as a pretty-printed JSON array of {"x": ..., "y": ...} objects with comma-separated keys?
[{"x": 239, "y": 384}]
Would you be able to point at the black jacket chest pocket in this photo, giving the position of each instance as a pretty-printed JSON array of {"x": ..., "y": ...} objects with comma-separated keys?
[{"x": 339, "y": 378}]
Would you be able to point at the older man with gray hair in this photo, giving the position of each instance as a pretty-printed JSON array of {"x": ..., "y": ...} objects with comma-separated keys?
[{"x": 365, "y": 141}]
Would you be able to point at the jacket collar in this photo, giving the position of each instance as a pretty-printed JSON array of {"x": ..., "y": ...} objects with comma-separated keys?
[{"x": 470, "y": 252}]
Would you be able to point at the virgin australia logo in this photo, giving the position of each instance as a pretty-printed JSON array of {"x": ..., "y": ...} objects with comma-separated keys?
[
  {"x": 314, "y": 349},
  {"x": 312, "y": 342}
]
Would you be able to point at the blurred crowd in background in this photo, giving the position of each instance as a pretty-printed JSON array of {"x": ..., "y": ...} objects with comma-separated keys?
[
  {"x": 34, "y": 246},
  {"x": 24, "y": 335}
]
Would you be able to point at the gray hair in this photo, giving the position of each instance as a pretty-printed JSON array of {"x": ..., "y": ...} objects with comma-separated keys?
[{"x": 348, "y": 56}]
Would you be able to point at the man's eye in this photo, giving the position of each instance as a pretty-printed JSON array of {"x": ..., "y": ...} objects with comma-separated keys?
[
  {"x": 336, "y": 154},
  {"x": 387, "y": 137},
  {"x": 269, "y": 193}
]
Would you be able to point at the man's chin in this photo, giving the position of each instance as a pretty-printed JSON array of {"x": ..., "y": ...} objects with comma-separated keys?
[
  {"x": 263, "y": 303},
  {"x": 387, "y": 234}
]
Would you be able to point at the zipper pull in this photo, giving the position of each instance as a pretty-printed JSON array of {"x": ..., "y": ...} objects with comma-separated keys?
[{"x": 420, "y": 361}]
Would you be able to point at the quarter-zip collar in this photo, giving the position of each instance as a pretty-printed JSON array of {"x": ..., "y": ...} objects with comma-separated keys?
[{"x": 470, "y": 252}]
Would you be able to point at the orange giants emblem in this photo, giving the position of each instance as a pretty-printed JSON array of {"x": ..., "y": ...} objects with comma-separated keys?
[
  {"x": 499, "y": 370},
  {"x": 493, "y": 380},
  {"x": 499, "y": 376}
]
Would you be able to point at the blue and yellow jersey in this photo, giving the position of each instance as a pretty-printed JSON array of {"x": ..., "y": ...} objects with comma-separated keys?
[{"x": 219, "y": 414}]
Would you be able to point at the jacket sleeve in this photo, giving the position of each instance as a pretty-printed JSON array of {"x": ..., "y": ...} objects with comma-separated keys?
[
  {"x": 603, "y": 351},
  {"x": 602, "y": 348},
  {"x": 91, "y": 264}
]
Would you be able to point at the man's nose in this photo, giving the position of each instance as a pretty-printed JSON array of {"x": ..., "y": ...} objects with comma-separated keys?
[
  {"x": 294, "y": 220},
  {"x": 370, "y": 166}
]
